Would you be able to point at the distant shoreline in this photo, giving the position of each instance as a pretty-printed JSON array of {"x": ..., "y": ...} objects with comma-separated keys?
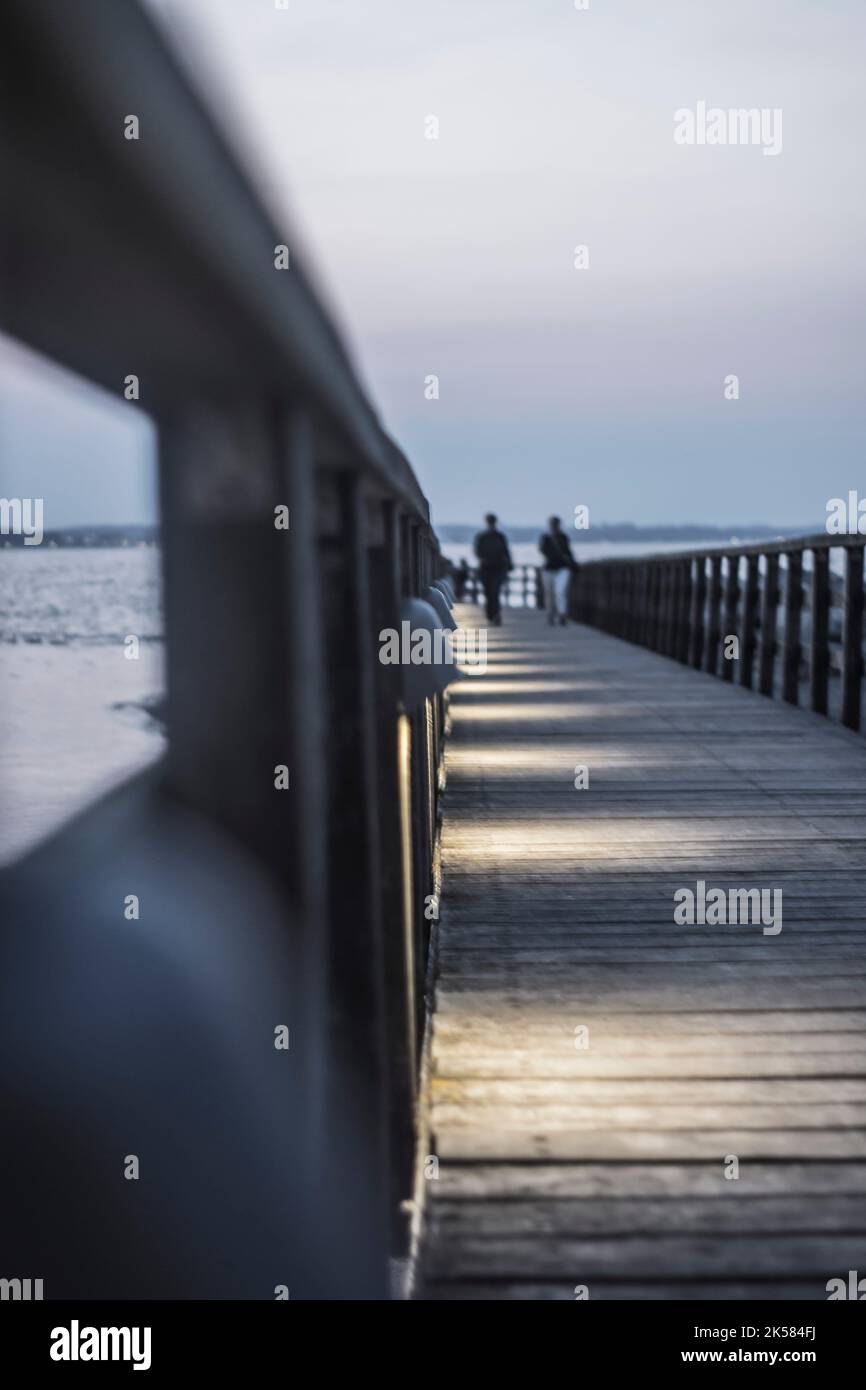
[
  {"x": 463, "y": 533},
  {"x": 453, "y": 533},
  {"x": 79, "y": 537}
]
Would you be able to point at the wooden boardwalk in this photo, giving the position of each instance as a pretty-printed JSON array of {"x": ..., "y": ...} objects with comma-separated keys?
[{"x": 563, "y": 1165}]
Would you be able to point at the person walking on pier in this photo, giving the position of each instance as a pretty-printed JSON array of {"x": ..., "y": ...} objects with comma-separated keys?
[
  {"x": 460, "y": 578},
  {"x": 559, "y": 566},
  {"x": 494, "y": 563}
]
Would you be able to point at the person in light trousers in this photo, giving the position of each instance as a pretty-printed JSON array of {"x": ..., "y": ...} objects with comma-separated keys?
[{"x": 559, "y": 566}]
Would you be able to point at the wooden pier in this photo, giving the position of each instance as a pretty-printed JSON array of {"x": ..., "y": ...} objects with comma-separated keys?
[
  {"x": 598, "y": 1074},
  {"x": 610, "y": 1104}
]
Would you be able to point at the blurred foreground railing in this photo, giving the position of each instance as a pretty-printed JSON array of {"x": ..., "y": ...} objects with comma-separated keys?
[
  {"x": 154, "y": 257},
  {"x": 522, "y": 587},
  {"x": 796, "y": 616}
]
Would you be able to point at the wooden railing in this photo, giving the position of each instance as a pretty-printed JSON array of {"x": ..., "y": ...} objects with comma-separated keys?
[
  {"x": 156, "y": 257},
  {"x": 522, "y": 588},
  {"x": 797, "y": 622}
]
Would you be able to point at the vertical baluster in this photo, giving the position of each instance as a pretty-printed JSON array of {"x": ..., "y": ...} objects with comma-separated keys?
[
  {"x": 643, "y": 603},
  {"x": 608, "y": 598},
  {"x": 675, "y": 584},
  {"x": 679, "y": 614},
  {"x": 652, "y": 605},
  {"x": 714, "y": 622},
  {"x": 673, "y": 570},
  {"x": 685, "y": 621},
  {"x": 793, "y": 609},
  {"x": 769, "y": 612},
  {"x": 699, "y": 604},
  {"x": 355, "y": 926},
  {"x": 658, "y": 606},
  {"x": 661, "y": 606},
  {"x": 819, "y": 653},
  {"x": 750, "y": 613},
  {"x": 394, "y": 752},
  {"x": 732, "y": 594},
  {"x": 852, "y": 637}
]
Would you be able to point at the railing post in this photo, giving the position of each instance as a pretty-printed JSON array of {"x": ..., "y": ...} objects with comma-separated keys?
[
  {"x": 819, "y": 648},
  {"x": 793, "y": 610},
  {"x": 769, "y": 612},
  {"x": 732, "y": 594},
  {"x": 713, "y": 626},
  {"x": 610, "y": 596},
  {"x": 672, "y": 569},
  {"x": 852, "y": 637},
  {"x": 676, "y": 603},
  {"x": 699, "y": 603},
  {"x": 355, "y": 907},
  {"x": 684, "y": 620},
  {"x": 614, "y": 575},
  {"x": 394, "y": 754},
  {"x": 750, "y": 613},
  {"x": 621, "y": 600},
  {"x": 670, "y": 608},
  {"x": 643, "y": 603},
  {"x": 631, "y": 601},
  {"x": 422, "y": 808},
  {"x": 657, "y": 602},
  {"x": 658, "y": 607}
]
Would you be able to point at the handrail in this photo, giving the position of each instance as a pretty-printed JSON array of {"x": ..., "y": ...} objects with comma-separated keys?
[
  {"x": 521, "y": 588},
  {"x": 170, "y": 238},
  {"x": 695, "y": 606},
  {"x": 155, "y": 256},
  {"x": 820, "y": 540}
]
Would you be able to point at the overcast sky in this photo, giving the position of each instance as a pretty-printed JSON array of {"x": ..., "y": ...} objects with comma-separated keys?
[{"x": 455, "y": 256}]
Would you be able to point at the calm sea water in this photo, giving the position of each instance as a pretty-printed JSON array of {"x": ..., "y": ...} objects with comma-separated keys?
[
  {"x": 527, "y": 553},
  {"x": 76, "y": 716},
  {"x": 63, "y": 596}
]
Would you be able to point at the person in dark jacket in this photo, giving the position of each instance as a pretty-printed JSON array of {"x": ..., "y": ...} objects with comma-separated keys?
[
  {"x": 494, "y": 562},
  {"x": 460, "y": 578},
  {"x": 559, "y": 566}
]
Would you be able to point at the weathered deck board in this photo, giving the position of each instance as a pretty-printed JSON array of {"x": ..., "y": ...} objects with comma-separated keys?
[{"x": 603, "y": 1165}]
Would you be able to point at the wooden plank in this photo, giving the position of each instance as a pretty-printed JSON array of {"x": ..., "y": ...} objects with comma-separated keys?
[
  {"x": 634, "y": 1216},
  {"x": 575, "y": 1095},
  {"x": 486, "y": 1143},
  {"x": 626, "y": 1024},
  {"x": 557, "y": 1182},
  {"x": 703, "y": 1041},
  {"x": 539, "y": 1061},
  {"x": 565, "y": 1291},
  {"x": 581, "y": 1260}
]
